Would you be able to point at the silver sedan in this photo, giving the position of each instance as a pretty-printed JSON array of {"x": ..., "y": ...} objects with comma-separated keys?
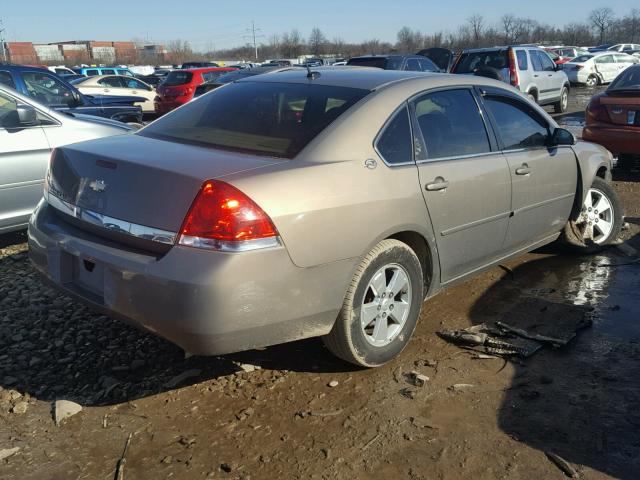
[{"x": 28, "y": 133}]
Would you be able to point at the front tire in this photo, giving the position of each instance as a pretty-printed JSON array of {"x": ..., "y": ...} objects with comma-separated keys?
[
  {"x": 561, "y": 105},
  {"x": 598, "y": 222},
  {"x": 381, "y": 306}
]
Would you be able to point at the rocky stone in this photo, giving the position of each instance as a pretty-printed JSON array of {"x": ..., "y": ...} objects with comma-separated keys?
[
  {"x": 333, "y": 383},
  {"x": 20, "y": 408},
  {"x": 8, "y": 452},
  {"x": 64, "y": 409}
]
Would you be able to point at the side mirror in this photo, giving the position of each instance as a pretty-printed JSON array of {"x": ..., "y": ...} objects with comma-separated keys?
[
  {"x": 560, "y": 136},
  {"x": 27, "y": 116},
  {"x": 75, "y": 100}
]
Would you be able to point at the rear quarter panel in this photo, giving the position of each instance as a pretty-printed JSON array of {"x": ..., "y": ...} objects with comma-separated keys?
[{"x": 327, "y": 205}]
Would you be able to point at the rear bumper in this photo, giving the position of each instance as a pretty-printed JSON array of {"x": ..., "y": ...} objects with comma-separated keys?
[
  {"x": 208, "y": 303},
  {"x": 615, "y": 138},
  {"x": 165, "y": 106}
]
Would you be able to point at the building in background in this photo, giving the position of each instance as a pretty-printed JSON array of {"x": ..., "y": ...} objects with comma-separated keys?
[{"x": 76, "y": 52}]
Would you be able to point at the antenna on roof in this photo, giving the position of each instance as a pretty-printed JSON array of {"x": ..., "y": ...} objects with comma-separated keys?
[{"x": 311, "y": 75}]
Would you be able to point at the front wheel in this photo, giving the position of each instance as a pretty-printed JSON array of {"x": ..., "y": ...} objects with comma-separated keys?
[
  {"x": 561, "y": 105},
  {"x": 598, "y": 222},
  {"x": 381, "y": 307},
  {"x": 592, "y": 81}
]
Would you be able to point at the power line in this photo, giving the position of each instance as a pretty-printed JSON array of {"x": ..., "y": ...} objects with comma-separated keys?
[{"x": 253, "y": 35}]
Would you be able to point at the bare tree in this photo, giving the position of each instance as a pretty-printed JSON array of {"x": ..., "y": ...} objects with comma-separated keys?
[
  {"x": 631, "y": 23},
  {"x": 602, "y": 19},
  {"x": 317, "y": 41},
  {"x": 179, "y": 51},
  {"x": 291, "y": 44},
  {"x": 508, "y": 22},
  {"x": 476, "y": 24}
]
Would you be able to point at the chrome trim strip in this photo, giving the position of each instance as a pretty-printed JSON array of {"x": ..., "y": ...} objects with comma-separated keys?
[
  {"x": 110, "y": 223},
  {"x": 228, "y": 246},
  {"x": 458, "y": 157},
  {"x": 543, "y": 203},
  {"x": 459, "y": 228}
]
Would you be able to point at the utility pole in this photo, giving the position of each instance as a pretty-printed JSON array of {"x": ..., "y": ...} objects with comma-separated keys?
[
  {"x": 4, "y": 52},
  {"x": 254, "y": 34}
]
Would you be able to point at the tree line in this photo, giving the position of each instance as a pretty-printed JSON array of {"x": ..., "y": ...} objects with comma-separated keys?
[{"x": 601, "y": 26}]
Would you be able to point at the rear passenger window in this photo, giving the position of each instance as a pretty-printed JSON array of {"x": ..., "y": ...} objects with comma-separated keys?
[
  {"x": 91, "y": 73},
  {"x": 547, "y": 64},
  {"x": 394, "y": 144},
  {"x": 6, "y": 79},
  {"x": 535, "y": 60},
  {"x": 521, "y": 56},
  {"x": 517, "y": 125},
  {"x": 451, "y": 124}
]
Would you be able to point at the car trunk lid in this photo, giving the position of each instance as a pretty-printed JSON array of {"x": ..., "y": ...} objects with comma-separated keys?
[
  {"x": 138, "y": 180},
  {"x": 623, "y": 107}
]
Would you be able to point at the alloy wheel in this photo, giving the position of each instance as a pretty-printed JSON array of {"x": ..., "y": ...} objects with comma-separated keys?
[
  {"x": 386, "y": 304},
  {"x": 596, "y": 220}
]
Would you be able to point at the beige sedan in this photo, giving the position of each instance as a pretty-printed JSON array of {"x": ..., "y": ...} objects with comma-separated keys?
[{"x": 119, "y": 86}]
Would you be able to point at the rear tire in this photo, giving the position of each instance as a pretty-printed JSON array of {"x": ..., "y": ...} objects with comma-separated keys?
[
  {"x": 592, "y": 81},
  {"x": 376, "y": 322},
  {"x": 561, "y": 105},
  {"x": 597, "y": 223}
]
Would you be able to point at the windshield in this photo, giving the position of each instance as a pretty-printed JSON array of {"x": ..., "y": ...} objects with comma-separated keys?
[
  {"x": 274, "y": 119},
  {"x": 177, "y": 78},
  {"x": 473, "y": 61},
  {"x": 582, "y": 59},
  {"x": 627, "y": 80}
]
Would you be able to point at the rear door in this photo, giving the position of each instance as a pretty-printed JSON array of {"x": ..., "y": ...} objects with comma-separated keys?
[
  {"x": 543, "y": 179},
  {"x": 555, "y": 78},
  {"x": 465, "y": 182},
  {"x": 112, "y": 85},
  {"x": 606, "y": 67},
  {"x": 24, "y": 154}
]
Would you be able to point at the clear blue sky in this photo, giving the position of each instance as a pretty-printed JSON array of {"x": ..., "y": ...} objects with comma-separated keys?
[{"x": 222, "y": 24}]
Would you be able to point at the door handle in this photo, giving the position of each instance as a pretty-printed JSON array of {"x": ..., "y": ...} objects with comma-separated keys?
[
  {"x": 523, "y": 170},
  {"x": 134, "y": 92},
  {"x": 106, "y": 90},
  {"x": 438, "y": 184}
]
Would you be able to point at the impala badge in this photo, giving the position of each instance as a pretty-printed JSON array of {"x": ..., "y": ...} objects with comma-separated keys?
[{"x": 98, "y": 185}]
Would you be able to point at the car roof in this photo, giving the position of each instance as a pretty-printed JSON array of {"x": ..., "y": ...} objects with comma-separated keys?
[
  {"x": 204, "y": 69},
  {"x": 22, "y": 68},
  {"x": 368, "y": 78}
]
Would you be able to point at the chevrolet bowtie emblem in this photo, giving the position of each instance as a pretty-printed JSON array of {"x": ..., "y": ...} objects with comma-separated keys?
[{"x": 98, "y": 185}]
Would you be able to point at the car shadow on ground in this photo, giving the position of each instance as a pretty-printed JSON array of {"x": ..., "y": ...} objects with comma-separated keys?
[
  {"x": 578, "y": 402},
  {"x": 52, "y": 347}
]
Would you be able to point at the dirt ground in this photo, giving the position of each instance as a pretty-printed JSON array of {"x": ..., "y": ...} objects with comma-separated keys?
[{"x": 272, "y": 414}]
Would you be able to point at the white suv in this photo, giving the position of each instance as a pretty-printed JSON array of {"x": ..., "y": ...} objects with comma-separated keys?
[{"x": 528, "y": 68}]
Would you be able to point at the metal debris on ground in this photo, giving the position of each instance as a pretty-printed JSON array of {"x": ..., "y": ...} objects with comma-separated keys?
[
  {"x": 120, "y": 466},
  {"x": 562, "y": 464},
  {"x": 525, "y": 329}
]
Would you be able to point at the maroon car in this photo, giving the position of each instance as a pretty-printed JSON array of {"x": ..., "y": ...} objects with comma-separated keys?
[{"x": 613, "y": 116}]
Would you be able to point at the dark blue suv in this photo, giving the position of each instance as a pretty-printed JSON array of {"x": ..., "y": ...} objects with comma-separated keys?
[{"x": 49, "y": 89}]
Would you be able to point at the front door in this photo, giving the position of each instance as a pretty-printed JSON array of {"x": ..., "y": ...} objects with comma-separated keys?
[
  {"x": 465, "y": 183},
  {"x": 24, "y": 155},
  {"x": 544, "y": 180}
]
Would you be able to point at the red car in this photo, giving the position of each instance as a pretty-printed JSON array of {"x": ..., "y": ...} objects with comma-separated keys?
[
  {"x": 613, "y": 116},
  {"x": 179, "y": 86}
]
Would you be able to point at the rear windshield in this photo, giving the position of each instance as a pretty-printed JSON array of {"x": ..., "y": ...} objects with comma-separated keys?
[
  {"x": 178, "y": 78},
  {"x": 627, "y": 80},
  {"x": 273, "y": 119},
  {"x": 378, "y": 62},
  {"x": 471, "y": 62}
]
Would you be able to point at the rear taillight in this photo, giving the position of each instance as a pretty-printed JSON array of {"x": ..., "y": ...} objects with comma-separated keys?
[
  {"x": 596, "y": 112},
  {"x": 223, "y": 218},
  {"x": 579, "y": 67},
  {"x": 513, "y": 71}
]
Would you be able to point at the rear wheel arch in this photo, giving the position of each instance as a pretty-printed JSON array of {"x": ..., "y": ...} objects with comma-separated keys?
[
  {"x": 534, "y": 93},
  {"x": 423, "y": 251}
]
